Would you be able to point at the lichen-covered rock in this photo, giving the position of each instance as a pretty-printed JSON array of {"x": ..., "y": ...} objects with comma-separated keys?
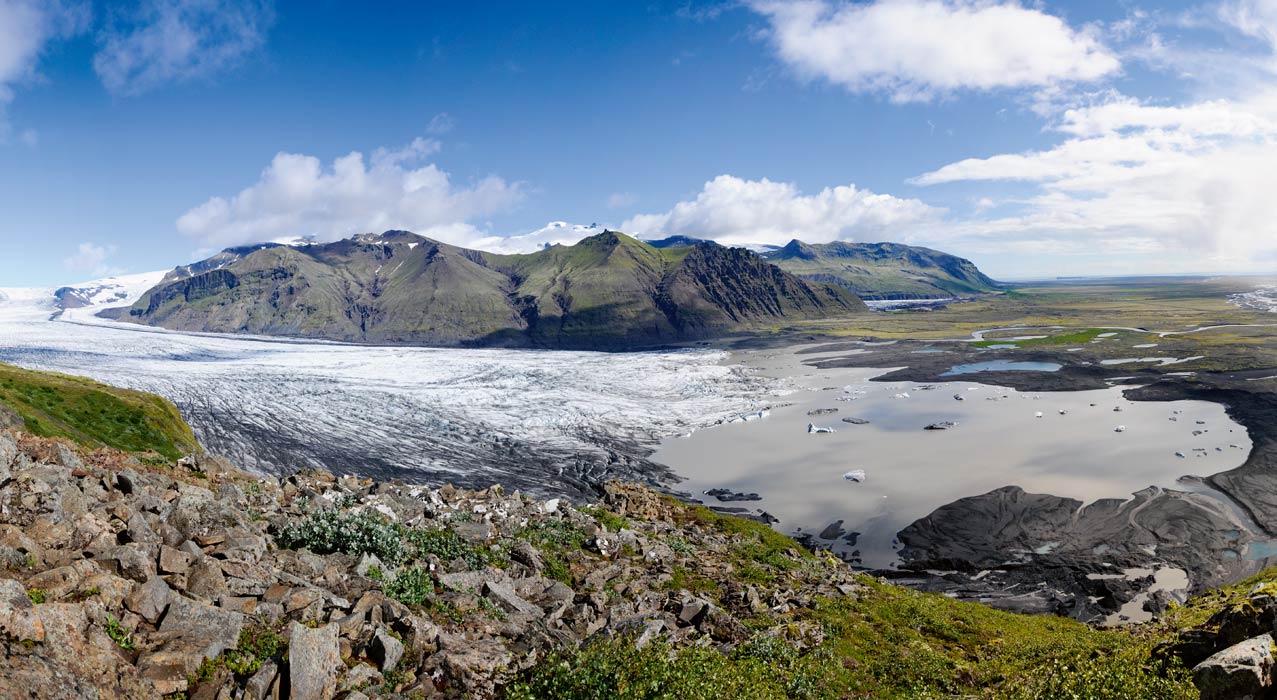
[
  {"x": 314, "y": 657},
  {"x": 1243, "y": 671}
]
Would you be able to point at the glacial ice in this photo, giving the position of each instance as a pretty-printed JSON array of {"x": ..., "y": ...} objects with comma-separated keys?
[{"x": 548, "y": 423}]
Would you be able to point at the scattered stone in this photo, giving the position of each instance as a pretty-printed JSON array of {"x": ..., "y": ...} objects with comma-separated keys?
[
  {"x": 150, "y": 600},
  {"x": 386, "y": 650}
]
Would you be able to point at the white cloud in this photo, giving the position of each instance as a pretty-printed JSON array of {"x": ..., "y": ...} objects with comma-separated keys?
[
  {"x": 1255, "y": 18},
  {"x": 734, "y": 211},
  {"x": 174, "y": 41},
  {"x": 297, "y": 196},
  {"x": 440, "y": 124},
  {"x": 915, "y": 50},
  {"x": 620, "y": 200},
  {"x": 26, "y": 29},
  {"x": 91, "y": 259},
  {"x": 1193, "y": 180}
]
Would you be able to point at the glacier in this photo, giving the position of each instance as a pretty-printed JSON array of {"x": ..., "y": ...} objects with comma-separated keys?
[{"x": 546, "y": 422}]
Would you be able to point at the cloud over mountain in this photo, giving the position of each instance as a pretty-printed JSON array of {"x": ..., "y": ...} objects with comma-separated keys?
[
  {"x": 732, "y": 210},
  {"x": 296, "y": 195}
]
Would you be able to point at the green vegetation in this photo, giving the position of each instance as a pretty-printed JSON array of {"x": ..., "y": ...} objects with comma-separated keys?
[
  {"x": 36, "y": 595},
  {"x": 94, "y": 414},
  {"x": 1054, "y": 338},
  {"x": 555, "y": 539},
  {"x": 606, "y": 518},
  {"x": 884, "y": 642},
  {"x": 448, "y": 546},
  {"x": 331, "y": 530},
  {"x": 410, "y": 586},
  {"x": 257, "y": 644},
  {"x": 122, "y": 638},
  {"x": 609, "y": 291},
  {"x": 883, "y": 270},
  {"x": 890, "y": 643}
]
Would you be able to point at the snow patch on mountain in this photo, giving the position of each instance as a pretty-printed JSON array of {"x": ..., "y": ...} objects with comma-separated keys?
[{"x": 553, "y": 233}]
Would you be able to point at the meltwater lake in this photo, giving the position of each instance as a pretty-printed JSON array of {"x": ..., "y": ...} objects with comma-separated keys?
[{"x": 1084, "y": 444}]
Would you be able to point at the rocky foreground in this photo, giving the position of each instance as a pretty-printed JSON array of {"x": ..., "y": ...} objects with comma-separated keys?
[
  {"x": 122, "y": 579},
  {"x": 126, "y": 576}
]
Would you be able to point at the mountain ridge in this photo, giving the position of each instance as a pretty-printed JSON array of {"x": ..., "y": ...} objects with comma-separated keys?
[
  {"x": 883, "y": 270},
  {"x": 609, "y": 291}
]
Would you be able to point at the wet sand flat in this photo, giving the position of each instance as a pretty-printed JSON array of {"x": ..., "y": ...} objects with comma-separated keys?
[{"x": 999, "y": 440}]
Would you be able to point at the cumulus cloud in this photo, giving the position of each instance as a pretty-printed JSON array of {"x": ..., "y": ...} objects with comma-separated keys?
[
  {"x": 734, "y": 211},
  {"x": 91, "y": 259},
  {"x": 297, "y": 196},
  {"x": 27, "y": 27},
  {"x": 915, "y": 50},
  {"x": 175, "y": 41},
  {"x": 1130, "y": 177}
]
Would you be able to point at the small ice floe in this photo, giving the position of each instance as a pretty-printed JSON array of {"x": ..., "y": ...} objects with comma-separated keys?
[
  {"x": 1201, "y": 422},
  {"x": 746, "y": 417},
  {"x": 1120, "y": 429},
  {"x": 822, "y": 411},
  {"x": 926, "y": 387},
  {"x": 1181, "y": 455},
  {"x": 902, "y": 395},
  {"x": 856, "y": 475},
  {"x": 812, "y": 428},
  {"x": 959, "y": 397},
  {"x": 942, "y": 425},
  {"x": 855, "y": 421},
  {"x": 1038, "y": 414}
]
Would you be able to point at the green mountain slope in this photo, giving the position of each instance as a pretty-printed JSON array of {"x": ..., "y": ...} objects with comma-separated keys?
[
  {"x": 92, "y": 414},
  {"x": 883, "y": 270},
  {"x": 609, "y": 291}
]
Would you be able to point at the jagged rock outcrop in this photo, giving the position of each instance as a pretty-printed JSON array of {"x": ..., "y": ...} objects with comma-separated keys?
[{"x": 124, "y": 579}]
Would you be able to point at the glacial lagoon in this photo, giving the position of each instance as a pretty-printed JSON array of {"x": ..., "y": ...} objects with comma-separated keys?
[{"x": 1062, "y": 443}]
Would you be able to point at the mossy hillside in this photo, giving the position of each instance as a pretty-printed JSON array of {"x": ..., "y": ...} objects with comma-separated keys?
[
  {"x": 609, "y": 291},
  {"x": 884, "y": 270},
  {"x": 883, "y": 641},
  {"x": 95, "y": 414}
]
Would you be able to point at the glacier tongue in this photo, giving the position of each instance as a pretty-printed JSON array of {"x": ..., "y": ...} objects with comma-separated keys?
[{"x": 546, "y": 422}]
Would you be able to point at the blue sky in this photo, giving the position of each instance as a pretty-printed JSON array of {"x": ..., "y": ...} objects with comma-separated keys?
[{"x": 1056, "y": 138}]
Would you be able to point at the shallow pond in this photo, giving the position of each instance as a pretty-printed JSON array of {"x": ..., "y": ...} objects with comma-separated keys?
[{"x": 1002, "y": 366}]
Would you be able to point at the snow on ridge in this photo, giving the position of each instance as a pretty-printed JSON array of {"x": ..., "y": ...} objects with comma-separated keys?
[{"x": 553, "y": 233}]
